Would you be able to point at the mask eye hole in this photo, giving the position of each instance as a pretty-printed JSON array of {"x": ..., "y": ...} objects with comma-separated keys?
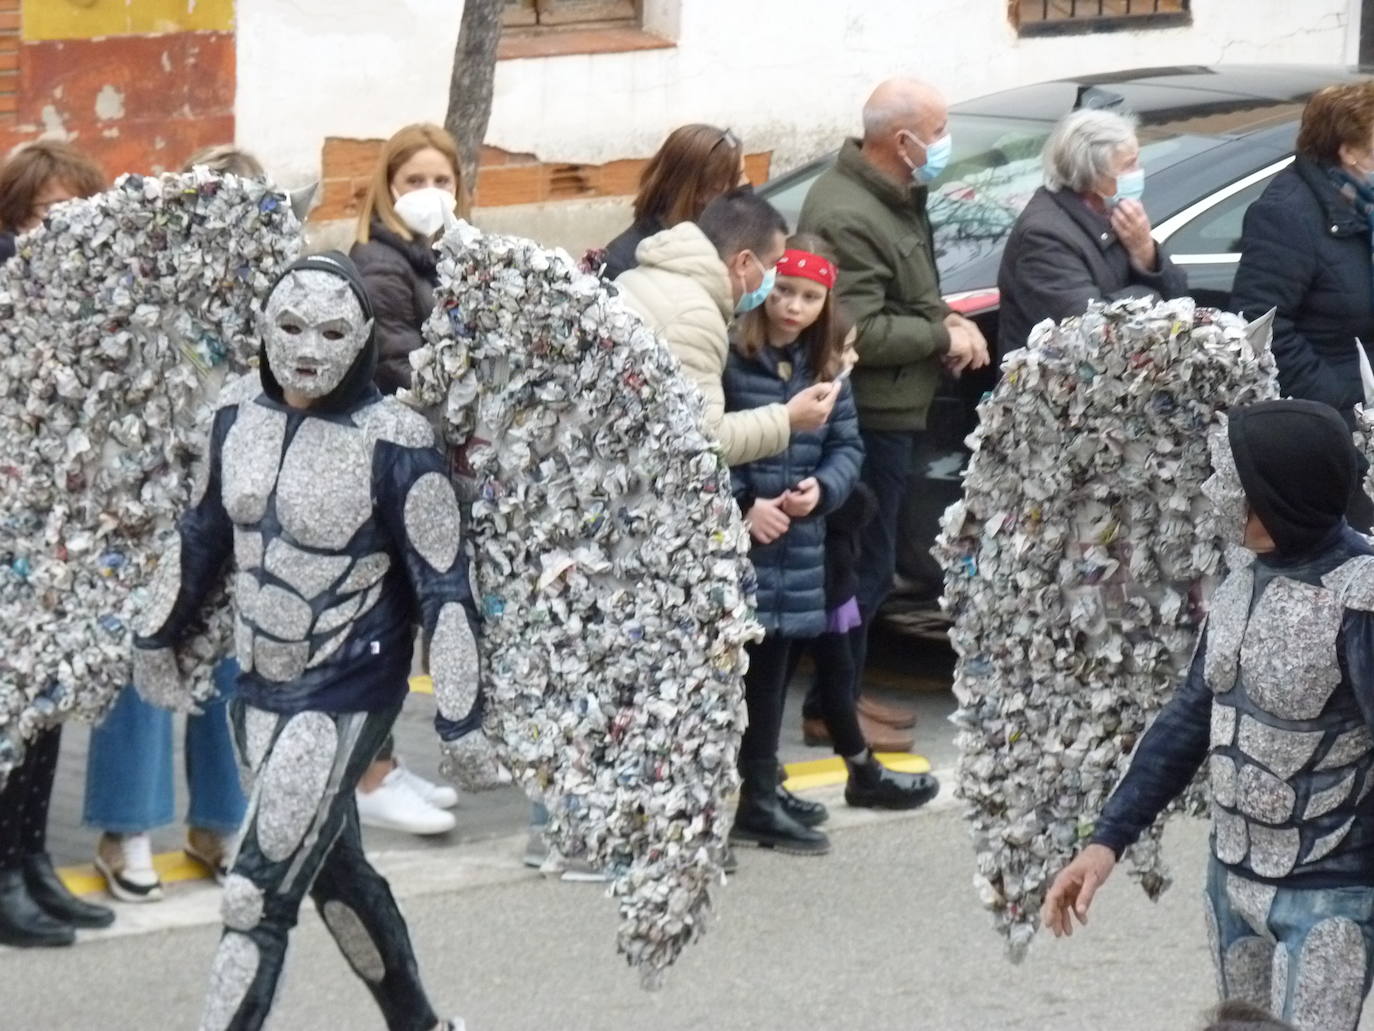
[
  {"x": 333, "y": 334},
  {"x": 290, "y": 328}
]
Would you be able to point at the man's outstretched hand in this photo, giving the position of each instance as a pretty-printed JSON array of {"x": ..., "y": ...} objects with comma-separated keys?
[{"x": 1073, "y": 890}]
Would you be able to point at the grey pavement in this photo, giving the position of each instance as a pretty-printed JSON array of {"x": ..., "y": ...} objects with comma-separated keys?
[{"x": 884, "y": 932}]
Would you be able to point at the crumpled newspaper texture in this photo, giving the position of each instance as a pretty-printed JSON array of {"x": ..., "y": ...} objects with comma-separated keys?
[
  {"x": 118, "y": 319},
  {"x": 1076, "y": 570},
  {"x": 1364, "y": 443},
  {"x": 611, "y": 568}
]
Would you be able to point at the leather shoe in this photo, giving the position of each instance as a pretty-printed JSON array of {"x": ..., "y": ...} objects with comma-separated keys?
[
  {"x": 815, "y": 733},
  {"x": 52, "y": 896},
  {"x": 882, "y": 738},
  {"x": 22, "y": 922},
  {"x": 881, "y": 712}
]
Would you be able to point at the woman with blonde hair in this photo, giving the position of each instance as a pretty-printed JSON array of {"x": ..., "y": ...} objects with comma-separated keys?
[{"x": 416, "y": 191}]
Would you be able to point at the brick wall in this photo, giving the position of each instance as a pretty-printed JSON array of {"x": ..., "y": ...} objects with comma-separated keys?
[
  {"x": 503, "y": 178},
  {"x": 138, "y": 84}
]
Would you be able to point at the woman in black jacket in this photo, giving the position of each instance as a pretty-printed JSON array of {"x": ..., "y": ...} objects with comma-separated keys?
[
  {"x": 696, "y": 164},
  {"x": 1084, "y": 236},
  {"x": 35, "y": 908},
  {"x": 414, "y": 194},
  {"x": 1305, "y": 249}
]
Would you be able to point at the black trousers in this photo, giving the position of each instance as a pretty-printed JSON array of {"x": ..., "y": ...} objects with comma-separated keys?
[
  {"x": 301, "y": 836},
  {"x": 24, "y": 800},
  {"x": 834, "y": 687},
  {"x": 765, "y": 694}
]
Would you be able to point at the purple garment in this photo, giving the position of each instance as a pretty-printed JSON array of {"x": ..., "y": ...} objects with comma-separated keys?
[{"x": 844, "y": 618}]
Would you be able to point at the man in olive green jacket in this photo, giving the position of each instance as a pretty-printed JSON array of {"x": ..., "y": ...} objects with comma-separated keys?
[{"x": 871, "y": 209}]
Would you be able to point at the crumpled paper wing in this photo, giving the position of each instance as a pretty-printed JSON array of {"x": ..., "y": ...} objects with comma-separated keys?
[
  {"x": 611, "y": 568},
  {"x": 118, "y": 319},
  {"x": 1076, "y": 569}
]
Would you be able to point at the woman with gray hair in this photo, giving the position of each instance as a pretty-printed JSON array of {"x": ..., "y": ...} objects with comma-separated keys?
[{"x": 1084, "y": 235}]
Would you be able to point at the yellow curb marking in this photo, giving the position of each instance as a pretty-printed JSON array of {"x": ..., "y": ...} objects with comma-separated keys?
[
  {"x": 170, "y": 866},
  {"x": 801, "y": 776}
]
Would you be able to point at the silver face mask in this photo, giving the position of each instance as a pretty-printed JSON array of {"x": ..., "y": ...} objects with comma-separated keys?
[
  {"x": 1224, "y": 490},
  {"x": 314, "y": 329}
]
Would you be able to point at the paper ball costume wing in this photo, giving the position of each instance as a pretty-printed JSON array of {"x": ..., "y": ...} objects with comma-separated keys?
[
  {"x": 118, "y": 320},
  {"x": 1075, "y": 571},
  {"x": 610, "y": 565}
]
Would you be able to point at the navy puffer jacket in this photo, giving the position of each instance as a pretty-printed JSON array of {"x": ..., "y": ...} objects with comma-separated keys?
[{"x": 791, "y": 570}]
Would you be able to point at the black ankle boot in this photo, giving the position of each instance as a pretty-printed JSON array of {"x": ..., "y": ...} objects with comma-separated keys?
[
  {"x": 22, "y": 922},
  {"x": 804, "y": 811},
  {"x": 52, "y": 896},
  {"x": 873, "y": 786},
  {"x": 761, "y": 820}
]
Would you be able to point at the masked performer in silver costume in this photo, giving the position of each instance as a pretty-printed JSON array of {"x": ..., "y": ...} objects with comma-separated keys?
[
  {"x": 1280, "y": 694},
  {"x": 344, "y": 532}
]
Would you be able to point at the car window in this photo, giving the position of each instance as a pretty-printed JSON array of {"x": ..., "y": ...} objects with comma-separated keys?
[
  {"x": 1217, "y": 230},
  {"x": 996, "y": 170}
]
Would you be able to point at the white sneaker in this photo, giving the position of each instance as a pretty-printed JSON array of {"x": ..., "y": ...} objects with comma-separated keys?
[
  {"x": 394, "y": 806},
  {"x": 441, "y": 796},
  {"x": 126, "y": 863}
]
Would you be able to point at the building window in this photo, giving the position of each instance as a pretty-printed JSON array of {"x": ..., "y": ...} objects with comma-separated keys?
[
  {"x": 551, "y": 14},
  {"x": 9, "y": 61},
  {"x": 1059, "y": 17}
]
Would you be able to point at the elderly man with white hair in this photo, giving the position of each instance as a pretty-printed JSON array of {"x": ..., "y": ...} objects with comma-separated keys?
[
  {"x": 871, "y": 209},
  {"x": 1084, "y": 235}
]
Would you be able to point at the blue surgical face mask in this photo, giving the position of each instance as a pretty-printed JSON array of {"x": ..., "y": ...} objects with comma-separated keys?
[
  {"x": 751, "y": 300},
  {"x": 1129, "y": 186},
  {"x": 937, "y": 159}
]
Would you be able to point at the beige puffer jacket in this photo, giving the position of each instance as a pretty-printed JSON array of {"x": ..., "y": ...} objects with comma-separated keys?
[{"x": 682, "y": 292}]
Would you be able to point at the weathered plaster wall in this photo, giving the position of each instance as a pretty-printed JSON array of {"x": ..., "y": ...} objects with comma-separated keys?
[{"x": 139, "y": 84}]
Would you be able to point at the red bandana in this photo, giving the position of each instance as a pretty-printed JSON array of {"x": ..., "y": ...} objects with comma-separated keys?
[{"x": 808, "y": 266}]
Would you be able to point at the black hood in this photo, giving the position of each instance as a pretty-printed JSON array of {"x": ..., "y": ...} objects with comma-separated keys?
[
  {"x": 1298, "y": 466},
  {"x": 420, "y": 254},
  {"x": 357, "y": 384}
]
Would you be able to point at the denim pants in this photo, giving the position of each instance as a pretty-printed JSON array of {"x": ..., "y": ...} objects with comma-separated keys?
[
  {"x": 129, "y": 768},
  {"x": 1304, "y": 954}
]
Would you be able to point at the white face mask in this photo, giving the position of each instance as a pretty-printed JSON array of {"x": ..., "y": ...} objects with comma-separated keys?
[
  {"x": 426, "y": 211},
  {"x": 314, "y": 328}
]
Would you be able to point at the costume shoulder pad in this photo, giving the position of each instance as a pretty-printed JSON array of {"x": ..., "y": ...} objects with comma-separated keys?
[
  {"x": 1353, "y": 583},
  {"x": 396, "y": 423},
  {"x": 238, "y": 390}
]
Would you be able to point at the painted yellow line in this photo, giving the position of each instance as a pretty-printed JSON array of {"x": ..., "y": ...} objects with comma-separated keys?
[
  {"x": 820, "y": 773},
  {"x": 801, "y": 776},
  {"x": 170, "y": 866}
]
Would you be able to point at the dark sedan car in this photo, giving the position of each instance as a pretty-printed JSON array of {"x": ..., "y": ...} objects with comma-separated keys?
[{"x": 1211, "y": 138}]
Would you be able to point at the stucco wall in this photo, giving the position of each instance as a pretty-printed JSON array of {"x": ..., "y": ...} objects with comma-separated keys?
[{"x": 788, "y": 75}]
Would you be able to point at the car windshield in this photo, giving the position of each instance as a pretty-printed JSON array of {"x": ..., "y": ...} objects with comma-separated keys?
[{"x": 996, "y": 168}]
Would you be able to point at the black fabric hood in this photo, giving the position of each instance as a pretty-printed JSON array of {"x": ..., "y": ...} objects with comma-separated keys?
[
  {"x": 357, "y": 384},
  {"x": 1298, "y": 466}
]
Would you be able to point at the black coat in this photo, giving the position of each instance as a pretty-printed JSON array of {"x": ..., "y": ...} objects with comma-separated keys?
[
  {"x": 844, "y": 538},
  {"x": 1060, "y": 255},
  {"x": 791, "y": 570},
  {"x": 1306, "y": 251},
  {"x": 620, "y": 252},
  {"x": 400, "y": 277}
]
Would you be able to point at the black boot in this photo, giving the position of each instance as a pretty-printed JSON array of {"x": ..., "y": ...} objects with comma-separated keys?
[
  {"x": 873, "y": 786},
  {"x": 22, "y": 922},
  {"x": 52, "y": 896},
  {"x": 761, "y": 820},
  {"x": 804, "y": 811}
]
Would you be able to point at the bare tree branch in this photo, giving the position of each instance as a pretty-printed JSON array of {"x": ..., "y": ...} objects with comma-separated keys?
[{"x": 471, "y": 85}]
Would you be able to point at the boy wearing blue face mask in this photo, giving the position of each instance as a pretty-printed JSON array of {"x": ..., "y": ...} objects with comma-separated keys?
[
  {"x": 1084, "y": 235},
  {"x": 690, "y": 281}
]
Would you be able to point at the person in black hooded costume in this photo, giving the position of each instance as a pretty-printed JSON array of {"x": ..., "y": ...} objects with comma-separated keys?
[
  {"x": 1280, "y": 699},
  {"x": 342, "y": 525}
]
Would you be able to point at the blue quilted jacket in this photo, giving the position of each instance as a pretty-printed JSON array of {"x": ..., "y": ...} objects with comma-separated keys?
[{"x": 791, "y": 570}]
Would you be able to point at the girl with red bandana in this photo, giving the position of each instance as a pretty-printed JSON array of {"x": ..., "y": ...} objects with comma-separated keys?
[{"x": 787, "y": 345}]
